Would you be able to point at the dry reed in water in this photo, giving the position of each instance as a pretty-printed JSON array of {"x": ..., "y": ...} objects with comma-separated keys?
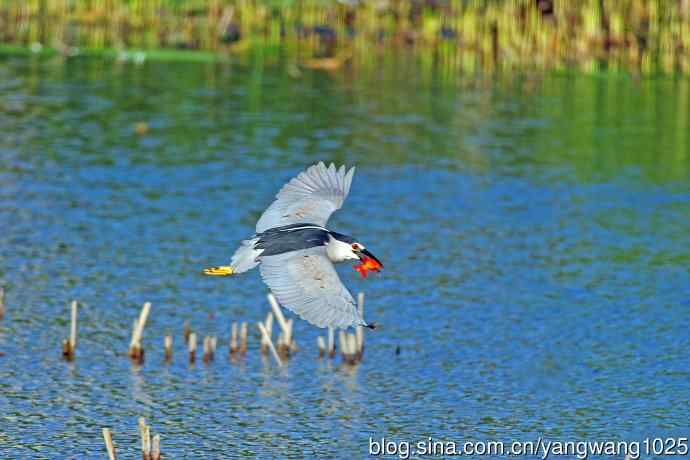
[
  {"x": 2, "y": 303},
  {"x": 167, "y": 346},
  {"x": 268, "y": 324},
  {"x": 69, "y": 346},
  {"x": 322, "y": 346},
  {"x": 150, "y": 447},
  {"x": 331, "y": 342},
  {"x": 136, "y": 351},
  {"x": 352, "y": 348},
  {"x": 359, "y": 331},
  {"x": 233, "y": 338},
  {"x": 145, "y": 435},
  {"x": 108, "y": 439},
  {"x": 269, "y": 342},
  {"x": 156, "y": 447},
  {"x": 192, "y": 347},
  {"x": 348, "y": 347},
  {"x": 207, "y": 355},
  {"x": 186, "y": 330},
  {"x": 342, "y": 342},
  {"x": 243, "y": 339},
  {"x": 209, "y": 348},
  {"x": 285, "y": 339}
]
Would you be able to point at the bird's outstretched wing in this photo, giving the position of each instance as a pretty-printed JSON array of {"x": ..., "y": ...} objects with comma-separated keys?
[
  {"x": 311, "y": 197},
  {"x": 306, "y": 282}
]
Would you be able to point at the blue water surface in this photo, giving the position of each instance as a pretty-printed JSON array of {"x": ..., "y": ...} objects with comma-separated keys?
[{"x": 534, "y": 231}]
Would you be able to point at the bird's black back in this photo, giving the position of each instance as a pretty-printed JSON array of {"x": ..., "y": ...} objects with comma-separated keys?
[{"x": 291, "y": 237}]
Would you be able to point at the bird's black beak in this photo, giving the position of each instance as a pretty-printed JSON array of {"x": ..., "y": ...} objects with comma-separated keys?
[{"x": 364, "y": 254}]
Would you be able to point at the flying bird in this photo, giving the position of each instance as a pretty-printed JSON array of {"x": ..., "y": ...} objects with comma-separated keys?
[{"x": 295, "y": 251}]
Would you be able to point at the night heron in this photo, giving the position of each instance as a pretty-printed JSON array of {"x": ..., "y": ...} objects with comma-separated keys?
[{"x": 296, "y": 251}]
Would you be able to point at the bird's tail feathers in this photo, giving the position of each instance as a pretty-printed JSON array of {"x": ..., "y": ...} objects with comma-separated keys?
[{"x": 244, "y": 259}]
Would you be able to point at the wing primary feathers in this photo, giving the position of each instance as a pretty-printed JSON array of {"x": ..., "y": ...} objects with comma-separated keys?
[
  {"x": 348, "y": 180},
  {"x": 310, "y": 197}
]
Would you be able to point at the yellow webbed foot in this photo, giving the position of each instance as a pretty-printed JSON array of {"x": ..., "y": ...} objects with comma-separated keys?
[{"x": 223, "y": 270}]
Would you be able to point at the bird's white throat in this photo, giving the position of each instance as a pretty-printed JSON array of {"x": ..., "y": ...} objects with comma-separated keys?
[{"x": 339, "y": 251}]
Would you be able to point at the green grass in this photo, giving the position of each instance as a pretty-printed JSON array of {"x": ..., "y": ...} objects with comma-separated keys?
[
  {"x": 637, "y": 36},
  {"x": 129, "y": 54}
]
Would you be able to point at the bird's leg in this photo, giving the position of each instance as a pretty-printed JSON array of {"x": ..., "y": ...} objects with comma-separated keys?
[{"x": 223, "y": 270}]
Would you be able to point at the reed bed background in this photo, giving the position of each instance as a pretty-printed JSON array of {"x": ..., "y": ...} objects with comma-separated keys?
[{"x": 639, "y": 36}]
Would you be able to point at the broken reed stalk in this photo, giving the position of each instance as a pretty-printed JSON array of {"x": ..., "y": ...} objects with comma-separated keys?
[
  {"x": 135, "y": 325},
  {"x": 186, "y": 330},
  {"x": 2, "y": 303},
  {"x": 267, "y": 338},
  {"x": 243, "y": 338},
  {"x": 331, "y": 342},
  {"x": 73, "y": 327},
  {"x": 67, "y": 352},
  {"x": 352, "y": 348},
  {"x": 277, "y": 311},
  {"x": 69, "y": 346},
  {"x": 348, "y": 347},
  {"x": 167, "y": 345},
  {"x": 136, "y": 352},
  {"x": 280, "y": 343},
  {"x": 206, "y": 357},
  {"x": 145, "y": 434},
  {"x": 288, "y": 332},
  {"x": 209, "y": 348},
  {"x": 192, "y": 347},
  {"x": 359, "y": 330},
  {"x": 322, "y": 346},
  {"x": 284, "y": 344},
  {"x": 108, "y": 439},
  {"x": 156, "y": 448},
  {"x": 268, "y": 324},
  {"x": 342, "y": 342},
  {"x": 233, "y": 338},
  {"x": 149, "y": 450}
]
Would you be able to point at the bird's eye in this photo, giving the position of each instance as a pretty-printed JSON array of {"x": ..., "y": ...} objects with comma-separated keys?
[{"x": 356, "y": 247}]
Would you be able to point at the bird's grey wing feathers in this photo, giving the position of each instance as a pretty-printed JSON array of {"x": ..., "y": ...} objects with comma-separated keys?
[
  {"x": 311, "y": 197},
  {"x": 306, "y": 282}
]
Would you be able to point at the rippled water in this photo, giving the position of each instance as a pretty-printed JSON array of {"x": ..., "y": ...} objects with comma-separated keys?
[{"x": 534, "y": 233}]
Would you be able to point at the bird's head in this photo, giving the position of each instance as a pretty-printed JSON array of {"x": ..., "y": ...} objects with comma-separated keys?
[{"x": 342, "y": 247}]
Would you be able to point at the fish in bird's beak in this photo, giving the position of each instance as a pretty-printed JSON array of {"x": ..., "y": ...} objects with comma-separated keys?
[{"x": 369, "y": 262}]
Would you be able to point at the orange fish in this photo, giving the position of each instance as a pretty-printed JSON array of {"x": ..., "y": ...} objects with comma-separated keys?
[{"x": 368, "y": 264}]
